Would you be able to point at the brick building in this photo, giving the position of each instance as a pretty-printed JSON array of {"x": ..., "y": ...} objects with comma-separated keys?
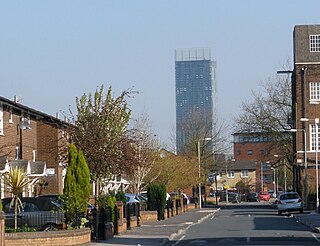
[
  {"x": 35, "y": 141},
  {"x": 305, "y": 102},
  {"x": 260, "y": 148}
]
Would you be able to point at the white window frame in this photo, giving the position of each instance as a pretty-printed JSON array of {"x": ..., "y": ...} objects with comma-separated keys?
[
  {"x": 1, "y": 120},
  {"x": 230, "y": 174},
  {"x": 10, "y": 116},
  {"x": 314, "y": 42},
  {"x": 34, "y": 155},
  {"x": 314, "y": 88},
  {"x": 244, "y": 173},
  {"x": 313, "y": 137},
  {"x": 17, "y": 153}
]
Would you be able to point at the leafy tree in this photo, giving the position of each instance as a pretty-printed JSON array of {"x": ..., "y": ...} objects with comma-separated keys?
[
  {"x": 100, "y": 132},
  {"x": 76, "y": 190},
  {"x": 17, "y": 180},
  {"x": 177, "y": 172}
]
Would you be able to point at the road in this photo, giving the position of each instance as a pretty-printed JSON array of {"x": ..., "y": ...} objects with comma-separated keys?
[{"x": 244, "y": 225}]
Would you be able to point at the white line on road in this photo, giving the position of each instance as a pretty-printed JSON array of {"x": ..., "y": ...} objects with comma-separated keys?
[
  {"x": 178, "y": 240},
  {"x": 316, "y": 238}
]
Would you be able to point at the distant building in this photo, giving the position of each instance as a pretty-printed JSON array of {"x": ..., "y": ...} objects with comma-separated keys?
[
  {"x": 306, "y": 98},
  {"x": 195, "y": 77},
  {"x": 260, "y": 148}
]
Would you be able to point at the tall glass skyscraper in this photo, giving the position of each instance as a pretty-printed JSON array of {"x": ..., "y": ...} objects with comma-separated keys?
[{"x": 195, "y": 77}]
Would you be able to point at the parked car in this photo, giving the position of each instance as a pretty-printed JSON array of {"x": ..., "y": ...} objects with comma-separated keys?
[
  {"x": 264, "y": 196},
  {"x": 288, "y": 202},
  {"x": 36, "y": 213},
  {"x": 253, "y": 197},
  {"x": 132, "y": 198},
  {"x": 233, "y": 197}
]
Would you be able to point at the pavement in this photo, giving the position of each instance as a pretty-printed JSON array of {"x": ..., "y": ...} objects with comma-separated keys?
[{"x": 158, "y": 233}]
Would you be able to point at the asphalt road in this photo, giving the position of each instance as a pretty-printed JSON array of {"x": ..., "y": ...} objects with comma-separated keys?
[{"x": 241, "y": 225}]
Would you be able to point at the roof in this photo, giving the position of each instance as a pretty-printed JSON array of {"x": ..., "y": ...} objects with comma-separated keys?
[
  {"x": 37, "y": 168},
  {"x": 31, "y": 111}
]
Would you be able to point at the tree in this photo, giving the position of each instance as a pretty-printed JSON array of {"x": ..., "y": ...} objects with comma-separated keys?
[
  {"x": 17, "y": 180},
  {"x": 76, "y": 190},
  {"x": 177, "y": 172},
  {"x": 268, "y": 113},
  {"x": 199, "y": 126},
  {"x": 142, "y": 151},
  {"x": 100, "y": 132}
]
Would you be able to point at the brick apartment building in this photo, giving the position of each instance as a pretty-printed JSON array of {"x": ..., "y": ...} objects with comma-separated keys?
[
  {"x": 305, "y": 102},
  {"x": 36, "y": 142},
  {"x": 260, "y": 148}
]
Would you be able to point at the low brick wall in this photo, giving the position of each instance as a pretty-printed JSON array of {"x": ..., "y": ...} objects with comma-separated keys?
[
  {"x": 52, "y": 238},
  {"x": 148, "y": 216}
]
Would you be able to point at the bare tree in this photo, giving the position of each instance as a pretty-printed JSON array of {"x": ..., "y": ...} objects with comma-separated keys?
[{"x": 143, "y": 150}]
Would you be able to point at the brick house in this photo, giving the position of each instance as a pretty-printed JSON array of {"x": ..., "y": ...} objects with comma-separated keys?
[
  {"x": 305, "y": 102},
  {"x": 35, "y": 141},
  {"x": 231, "y": 172}
]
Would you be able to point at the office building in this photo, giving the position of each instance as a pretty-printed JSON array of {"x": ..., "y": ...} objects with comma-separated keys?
[{"x": 196, "y": 104}]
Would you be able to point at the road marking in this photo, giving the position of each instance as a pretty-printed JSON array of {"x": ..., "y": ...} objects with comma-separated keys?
[
  {"x": 316, "y": 238},
  {"x": 176, "y": 243}
]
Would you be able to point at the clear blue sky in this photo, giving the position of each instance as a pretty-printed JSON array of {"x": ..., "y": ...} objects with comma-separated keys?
[{"x": 53, "y": 51}]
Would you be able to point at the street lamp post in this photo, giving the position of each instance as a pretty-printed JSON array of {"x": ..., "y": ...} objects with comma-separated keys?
[
  {"x": 199, "y": 166},
  {"x": 305, "y": 164}
]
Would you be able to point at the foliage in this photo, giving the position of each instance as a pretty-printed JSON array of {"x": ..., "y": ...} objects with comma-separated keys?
[
  {"x": 24, "y": 228},
  {"x": 120, "y": 196},
  {"x": 76, "y": 190},
  {"x": 107, "y": 201},
  {"x": 101, "y": 124},
  {"x": 177, "y": 172},
  {"x": 16, "y": 180},
  {"x": 157, "y": 198}
]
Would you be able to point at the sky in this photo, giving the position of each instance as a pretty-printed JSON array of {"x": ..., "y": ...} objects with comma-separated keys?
[{"x": 54, "y": 51}]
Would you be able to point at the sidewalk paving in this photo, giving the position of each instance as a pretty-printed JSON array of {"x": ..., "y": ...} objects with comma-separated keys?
[
  {"x": 310, "y": 219},
  {"x": 157, "y": 233}
]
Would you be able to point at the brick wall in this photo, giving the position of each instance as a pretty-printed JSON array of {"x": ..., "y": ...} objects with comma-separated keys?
[{"x": 52, "y": 238}]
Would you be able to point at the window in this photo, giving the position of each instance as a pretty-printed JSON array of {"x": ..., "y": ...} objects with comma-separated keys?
[
  {"x": 230, "y": 174},
  {"x": 1, "y": 119},
  {"x": 238, "y": 152},
  {"x": 250, "y": 152},
  {"x": 314, "y": 91},
  {"x": 244, "y": 173},
  {"x": 315, "y": 43},
  {"x": 313, "y": 137}
]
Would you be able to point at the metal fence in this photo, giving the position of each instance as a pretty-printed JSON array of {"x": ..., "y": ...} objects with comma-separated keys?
[{"x": 38, "y": 220}]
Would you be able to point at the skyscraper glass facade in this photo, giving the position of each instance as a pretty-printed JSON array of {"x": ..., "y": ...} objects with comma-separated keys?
[{"x": 195, "y": 91}]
